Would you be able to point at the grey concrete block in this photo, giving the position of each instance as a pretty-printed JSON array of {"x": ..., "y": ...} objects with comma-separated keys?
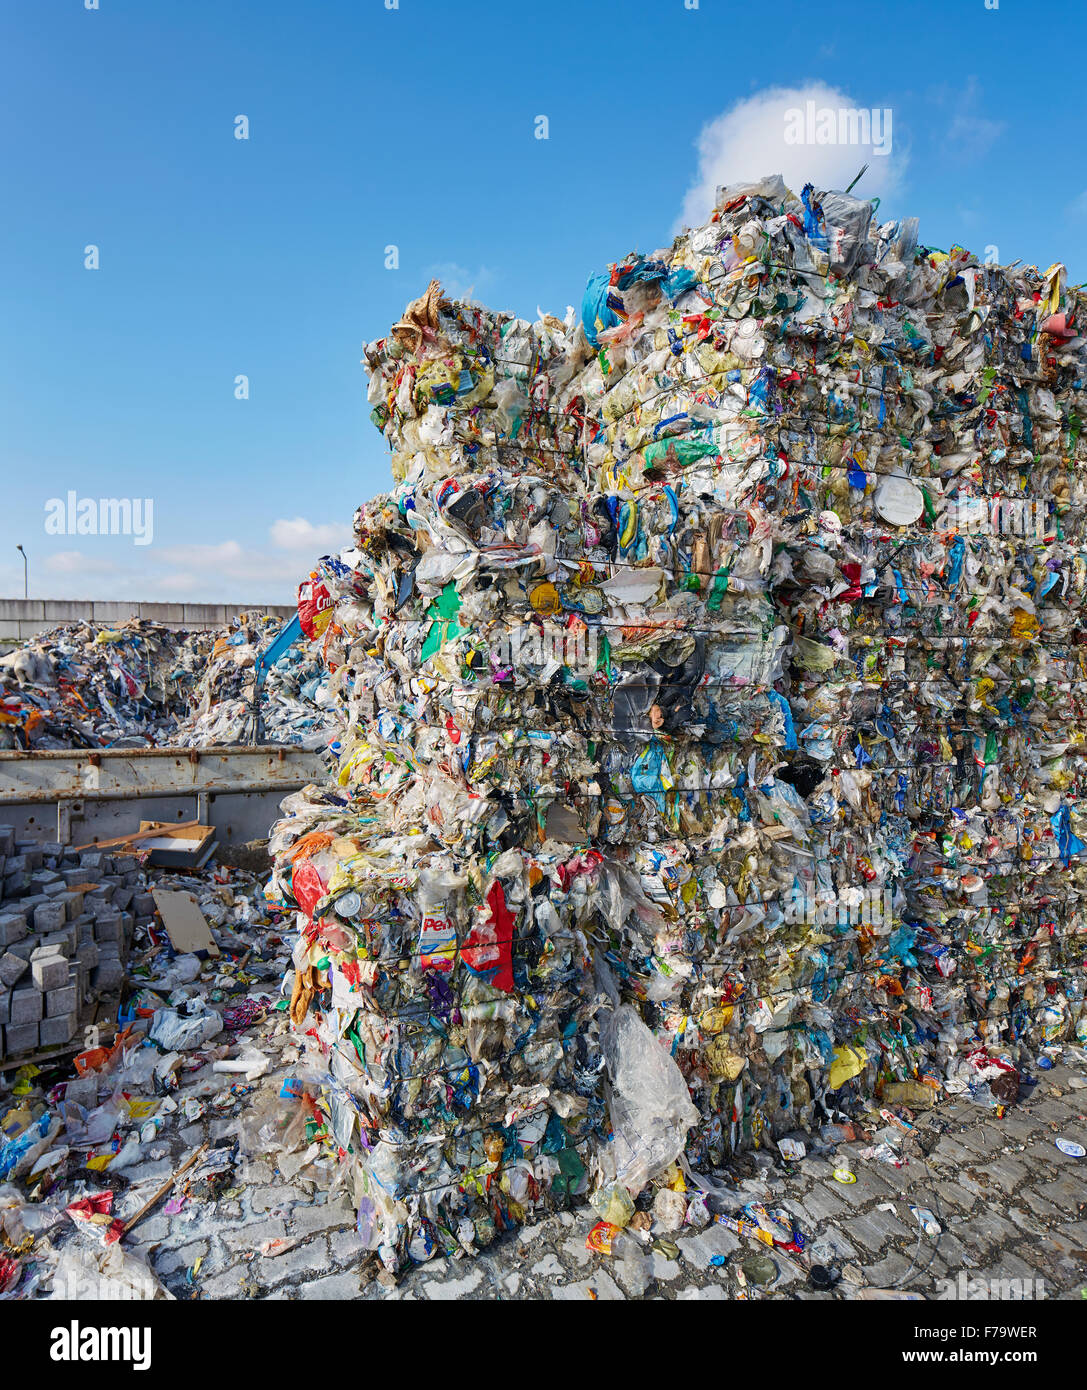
[
  {"x": 108, "y": 928},
  {"x": 87, "y": 954},
  {"x": 61, "y": 1029},
  {"x": 64, "y": 1000},
  {"x": 12, "y": 969},
  {"x": 12, "y": 928},
  {"x": 20, "y": 1037},
  {"x": 66, "y": 940},
  {"x": 50, "y": 916},
  {"x": 73, "y": 903},
  {"x": 50, "y": 973},
  {"x": 26, "y": 1006},
  {"x": 43, "y": 879},
  {"x": 109, "y": 973}
]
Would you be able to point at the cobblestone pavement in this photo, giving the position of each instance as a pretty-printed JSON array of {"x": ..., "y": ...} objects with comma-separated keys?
[{"x": 1011, "y": 1204}]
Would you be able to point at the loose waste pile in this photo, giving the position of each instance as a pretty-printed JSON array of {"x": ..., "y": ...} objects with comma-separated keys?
[
  {"x": 84, "y": 686},
  {"x": 712, "y": 686},
  {"x": 222, "y": 709},
  {"x": 81, "y": 1151},
  {"x": 141, "y": 684}
]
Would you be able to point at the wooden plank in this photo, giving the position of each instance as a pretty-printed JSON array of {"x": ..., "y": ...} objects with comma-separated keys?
[{"x": 155, "y": 828}]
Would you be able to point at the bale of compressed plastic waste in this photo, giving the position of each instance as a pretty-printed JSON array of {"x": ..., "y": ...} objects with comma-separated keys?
[{"x": 714, "y": 658}]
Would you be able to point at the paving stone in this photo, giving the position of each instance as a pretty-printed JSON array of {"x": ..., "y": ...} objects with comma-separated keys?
[
  {"x": 1007, "y": 1173},
  {"x": 1067, "y": 1191},
  {"x": 888, "y": 1271},
  {"x": 823, "y": 1205},
  {"x": 869, "y": 1187},
  {"x": 699, "y": 1249},
  {"x": 310, "y": 1258},
  {"x": 663, "y": 1268},
  {"x": 454, "y": 1288},
  {"x": 866, "y": 1232},
  {"x": 985, "y": 1231},
  {"x": 307, "y": 1219},
  {"x": 346, "y": 1246},
  {"x": 600, "y": 1284},
  {"x": 333, "y": 1286},
  {"x": 166, "y": 1261},
  {"x": 251, "y": 1236},
  {"x": 224, "y": 1285},
  {"x": 575, "y": 1250},
  {"x": 954, "y": 1197}
]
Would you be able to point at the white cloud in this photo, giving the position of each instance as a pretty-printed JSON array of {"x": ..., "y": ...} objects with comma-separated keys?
[
  {"x": 749, "y": 141},
  {"x": 225, "y": 555},
  {"x": 970, "y": 135},
  {"x": 300, "y": 534},
  {"x": 78, "y": 562},
  {"x": 456, "y": 280},
  {"x": 226, "y": 571}
]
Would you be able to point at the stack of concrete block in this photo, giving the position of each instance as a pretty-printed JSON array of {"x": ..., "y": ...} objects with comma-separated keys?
[{"x": 66, "y": 922}]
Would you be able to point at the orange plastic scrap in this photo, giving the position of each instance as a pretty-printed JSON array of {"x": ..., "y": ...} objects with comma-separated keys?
[
  {"x": 97, "y": 1058},
  {"x": 305, "y": 987},
  {"x": 310, "y": 844}
]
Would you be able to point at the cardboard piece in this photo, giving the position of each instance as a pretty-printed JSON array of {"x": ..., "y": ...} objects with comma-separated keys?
[{"x": 185, "y": 924}]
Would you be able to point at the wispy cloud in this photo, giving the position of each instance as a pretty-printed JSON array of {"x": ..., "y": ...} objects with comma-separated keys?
[
  {"x": 224, "y": 571},
  {"x": 969, "y": 134},
  {"x": 457, "y": 281},
  {"x": 300, "y": 534},
  {"x": 750, "y": 140},
  {"x": 1077, "y": 208}
]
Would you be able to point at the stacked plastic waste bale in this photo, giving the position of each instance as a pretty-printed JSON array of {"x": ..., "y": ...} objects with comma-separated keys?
[
  {"x": 679, "y": 662},
  {"x": 901, "y": 427},
  {"x": 442, "y": 974}
]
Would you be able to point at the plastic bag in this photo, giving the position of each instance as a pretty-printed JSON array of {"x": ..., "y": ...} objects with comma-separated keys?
[{"x": 651, "y": 1108}]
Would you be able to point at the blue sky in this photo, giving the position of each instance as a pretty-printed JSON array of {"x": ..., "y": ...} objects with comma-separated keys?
[{"x": 414, "y": 127}]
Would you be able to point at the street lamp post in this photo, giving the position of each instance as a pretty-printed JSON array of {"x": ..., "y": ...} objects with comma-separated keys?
[{"x": 26, "y": 572}]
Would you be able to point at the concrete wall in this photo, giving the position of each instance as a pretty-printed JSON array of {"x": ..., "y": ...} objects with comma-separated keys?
[{"x": 22, "y": 618}]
